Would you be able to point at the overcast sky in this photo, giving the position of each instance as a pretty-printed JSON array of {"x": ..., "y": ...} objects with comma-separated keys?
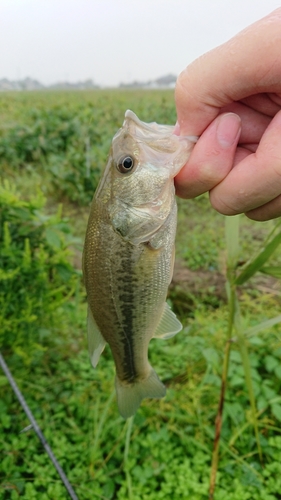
[{"x": 113, "y": 41}]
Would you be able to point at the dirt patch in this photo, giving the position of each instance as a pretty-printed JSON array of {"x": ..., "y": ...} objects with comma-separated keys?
[
  {"x": 199, "y": 281},
  {"x": 209, "y": 286}
]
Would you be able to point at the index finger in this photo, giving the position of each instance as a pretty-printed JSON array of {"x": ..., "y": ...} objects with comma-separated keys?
[{"x": 249, "y": 63}]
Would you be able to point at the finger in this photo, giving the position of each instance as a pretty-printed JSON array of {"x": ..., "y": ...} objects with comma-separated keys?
[
  {"x": 248, "y": 64},
  {"x": 254, "y": 181},
  {"x": 262, "y": 103},
  {"x": 276, "y": 98},
  {"x": 269, "y": 211},
  {"x": 253, "y": 123},
  {"x": 211, "y": 158}
]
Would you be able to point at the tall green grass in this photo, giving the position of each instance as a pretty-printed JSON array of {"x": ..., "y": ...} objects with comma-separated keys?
[
  {"x": 235, "y": 331},
  {"x": 167, "y": 451}
]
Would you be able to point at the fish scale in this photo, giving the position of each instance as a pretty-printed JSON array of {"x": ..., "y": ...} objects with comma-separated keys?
[{"x": 129, "y": 253}]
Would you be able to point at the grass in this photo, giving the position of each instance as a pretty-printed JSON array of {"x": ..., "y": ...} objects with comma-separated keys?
[
  {"x": 166, "y": 451},
  {"x": 171, "y": 440}
]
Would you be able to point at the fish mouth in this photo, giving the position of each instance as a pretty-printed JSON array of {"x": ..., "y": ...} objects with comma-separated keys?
[
  {"x": 147, "y": 126},
  {"x": 165, "y": 130},
  {"x": 159, "y": 143}
]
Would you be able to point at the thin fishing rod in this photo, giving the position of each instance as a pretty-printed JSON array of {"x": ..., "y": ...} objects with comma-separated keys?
[{"x": 37, "y": 429}]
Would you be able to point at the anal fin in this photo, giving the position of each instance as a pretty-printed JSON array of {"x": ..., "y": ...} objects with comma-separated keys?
[
  {"x": 169, "y": 324},
  {"x": 96, "y": 341}
]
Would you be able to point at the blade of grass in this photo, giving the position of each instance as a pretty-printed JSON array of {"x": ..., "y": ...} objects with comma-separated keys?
[
  {"x": 238, "y": 459},
  {"x": 262, "y": 326},
  {"x": 274, "y": 271},
  {"x": 256, "y": 264},
  {"x": 126, "y": 456},
  {"x": 98, "y": 432},
  {"x": 232, "y": 246},
  {"x": 263, "y": 425},
  {"x": 232, "y": 243},
  {"x": 218, "y": 423},
  {"x": 242, "y": 344}
]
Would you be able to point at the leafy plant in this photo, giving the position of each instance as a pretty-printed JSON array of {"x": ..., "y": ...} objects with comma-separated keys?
[
  {"x": 166, "y": 452},
  {"x": 35, "y": 273},
  {"x": 235, "y": 324}
]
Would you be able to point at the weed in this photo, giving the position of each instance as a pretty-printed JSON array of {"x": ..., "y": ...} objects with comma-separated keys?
[{"x": 61, "y": 141}]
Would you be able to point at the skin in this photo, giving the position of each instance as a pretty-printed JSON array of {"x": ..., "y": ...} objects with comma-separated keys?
[{"x": 231, "y": 98}]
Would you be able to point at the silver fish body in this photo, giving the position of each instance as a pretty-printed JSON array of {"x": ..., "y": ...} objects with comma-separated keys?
[{"x": 129, "y": 253}]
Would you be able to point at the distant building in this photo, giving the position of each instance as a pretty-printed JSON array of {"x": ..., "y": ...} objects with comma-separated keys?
[
  {"x": 167, "y": 81},
  {"x": 31, "y": 84}
]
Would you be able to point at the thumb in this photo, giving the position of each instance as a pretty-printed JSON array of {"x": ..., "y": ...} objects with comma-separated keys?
[
  {"x": 197, "y": 101},
  {"x": 248, "y": 64}
]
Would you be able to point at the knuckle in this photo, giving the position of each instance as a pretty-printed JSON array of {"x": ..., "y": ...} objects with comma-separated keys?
[
  {"x": 257, "y": 216},
  {"x": 276, "y": 167},
  {"x": 208, "y": 173},
  {"x": 222, "y": 206},
  {"x": 183, "y": 88}
]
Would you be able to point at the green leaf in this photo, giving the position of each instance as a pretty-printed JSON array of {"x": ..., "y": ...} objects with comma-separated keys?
[
  {"x": 259, "y": 261},
  {"x": 274, "y": 271},
  {"x": 65, "y": 271},
  {"x": 52, "y": 238},
  {"x": 277, "y": 371},
  {"x": 242, "y": 344},
  {"x": 263, "y": 326},
  {"x": 268, "y": 392},
  {"x": 211, "y": 356},
  {"x": 271, "y": 363},
  {"x": 276, "y": 410},
  {"x": 3, "y": 381}
]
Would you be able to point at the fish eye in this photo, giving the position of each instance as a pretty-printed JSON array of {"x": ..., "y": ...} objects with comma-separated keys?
[{"x": 125, "y": 164}]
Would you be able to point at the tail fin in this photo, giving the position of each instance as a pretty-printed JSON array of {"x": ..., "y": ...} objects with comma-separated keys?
[{"x": 129, "y": 397}]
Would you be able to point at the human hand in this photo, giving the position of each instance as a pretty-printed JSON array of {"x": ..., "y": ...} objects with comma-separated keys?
[{"x": 231, "y": 98}]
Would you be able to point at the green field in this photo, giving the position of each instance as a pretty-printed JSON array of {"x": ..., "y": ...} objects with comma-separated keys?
[{"x": 52, "y": 148}]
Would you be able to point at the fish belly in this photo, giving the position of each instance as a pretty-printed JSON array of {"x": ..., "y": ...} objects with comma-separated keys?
[{"x": 127, "y": 286}]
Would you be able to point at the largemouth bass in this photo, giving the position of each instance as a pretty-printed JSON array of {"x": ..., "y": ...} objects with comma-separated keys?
[{"x": 129, "y": 254}]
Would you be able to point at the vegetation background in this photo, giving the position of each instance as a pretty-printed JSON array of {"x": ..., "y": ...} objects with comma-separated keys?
[{"x": 52, "y": 148}]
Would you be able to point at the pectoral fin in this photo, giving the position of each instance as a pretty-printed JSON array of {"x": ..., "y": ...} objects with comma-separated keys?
[
  {"x": 96, "y": 341},
  {"x": 169, "y": 324}
]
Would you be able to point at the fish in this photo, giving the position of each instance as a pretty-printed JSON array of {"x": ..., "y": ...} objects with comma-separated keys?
[{"x": 128, "y": 254}]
